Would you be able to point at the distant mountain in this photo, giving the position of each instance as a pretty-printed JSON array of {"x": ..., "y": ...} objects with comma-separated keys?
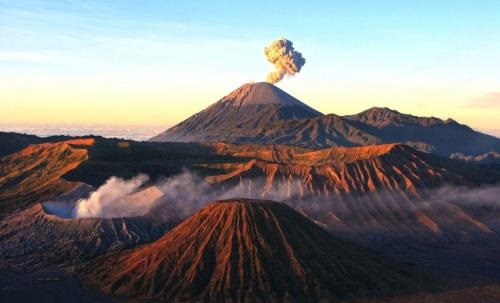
[
  {"x": 381, "y": 117},
  {"x": 248, "y": 107},
  {"x": 443, "y": 136},
  {"x": 261, "y": 113},
  {"x": 243, "y": 250}
]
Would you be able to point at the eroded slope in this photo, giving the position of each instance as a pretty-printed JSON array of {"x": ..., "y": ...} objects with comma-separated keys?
[{"x": 244, "y": 251}]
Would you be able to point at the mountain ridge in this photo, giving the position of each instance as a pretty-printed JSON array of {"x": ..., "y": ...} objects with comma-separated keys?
[
  {"x": 387, "y": 197},
  {"x": 272, "y": 116},
  {"x": 382, "y": 116}
]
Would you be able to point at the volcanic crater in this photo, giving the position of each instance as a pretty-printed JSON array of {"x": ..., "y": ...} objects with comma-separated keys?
[{"x": 48, "y": 233}]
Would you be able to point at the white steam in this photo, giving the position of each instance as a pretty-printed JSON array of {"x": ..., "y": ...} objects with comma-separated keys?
[
  {"x": 285, "y": 59},
  {"x": 185, "y": 193},
  {"x": 110, "y": 200}
]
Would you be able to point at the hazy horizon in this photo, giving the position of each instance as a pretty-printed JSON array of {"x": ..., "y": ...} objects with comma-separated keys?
[
  {"x": 137, "y": 132},
  {"x": 160, "y": 62}
]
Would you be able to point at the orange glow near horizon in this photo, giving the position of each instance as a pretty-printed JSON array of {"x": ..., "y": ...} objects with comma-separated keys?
[
  {"x": 125, "y": 63},
  {"x": 168, "y": 106}
]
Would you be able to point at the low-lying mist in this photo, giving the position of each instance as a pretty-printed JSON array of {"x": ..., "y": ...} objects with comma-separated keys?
[{"x": 187, "y": 192}]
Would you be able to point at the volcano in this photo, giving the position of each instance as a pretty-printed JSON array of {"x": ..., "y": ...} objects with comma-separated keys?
[
  {"x": 243, "y": 250},
  {"x": 246, "y": 108},
  {"x": 261, "y": 113},
  {"x": 39, "y": 237}
]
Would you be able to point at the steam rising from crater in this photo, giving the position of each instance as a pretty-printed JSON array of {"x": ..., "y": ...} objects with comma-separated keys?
[
  {"x": 285, "y": 58},
  {"x": 183, "y": 193},
  {"x": 186, "y": 192},
  {"x": 110, "y": 200}
]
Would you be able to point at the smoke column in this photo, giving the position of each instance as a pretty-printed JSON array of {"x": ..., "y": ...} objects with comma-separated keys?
[{"x": 285, "y": 58}]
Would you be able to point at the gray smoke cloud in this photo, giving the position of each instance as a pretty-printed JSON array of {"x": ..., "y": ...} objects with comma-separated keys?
[{"x": 285, "y": 59}]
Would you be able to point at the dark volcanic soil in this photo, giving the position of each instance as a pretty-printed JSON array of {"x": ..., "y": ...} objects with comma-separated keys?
[{"x": 52, "y": 285}]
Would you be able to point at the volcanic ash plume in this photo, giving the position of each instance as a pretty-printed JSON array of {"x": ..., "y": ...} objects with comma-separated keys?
[{"x": 285, "y": 58}]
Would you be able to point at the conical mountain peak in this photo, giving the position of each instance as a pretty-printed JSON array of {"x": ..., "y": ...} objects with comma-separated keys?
[
  {"x": 245, "y": 109},
  {"x": 261, "y": 93},
  {"x": 242, "y": 250}
]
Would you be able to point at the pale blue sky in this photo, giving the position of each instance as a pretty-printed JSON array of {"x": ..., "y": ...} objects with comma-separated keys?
[{"x": 159, "y": 61}]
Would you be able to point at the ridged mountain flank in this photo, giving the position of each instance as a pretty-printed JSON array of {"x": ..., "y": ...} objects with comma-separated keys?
[
  {"x": 443, "y": 137},
  {"x": 248, "y": 251},
  {"x": 247, "y": 108},
  {"x": 382, "y": 117},
  {"x": 34, "y": 173}
]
